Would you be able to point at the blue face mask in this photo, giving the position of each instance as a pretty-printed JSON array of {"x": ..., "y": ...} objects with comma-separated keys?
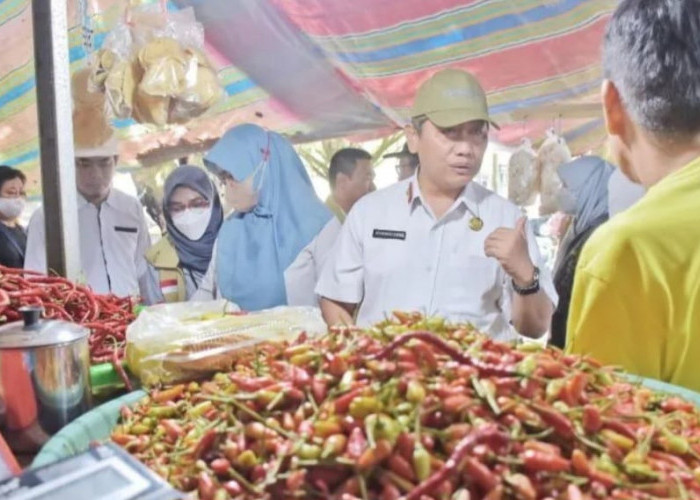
[{"x": 566, "y": 202}]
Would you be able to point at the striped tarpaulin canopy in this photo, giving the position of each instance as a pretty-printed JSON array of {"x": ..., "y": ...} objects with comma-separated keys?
[{"x": 324, "y": 68}]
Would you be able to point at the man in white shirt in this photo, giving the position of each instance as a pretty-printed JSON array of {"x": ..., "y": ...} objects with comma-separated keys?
[
  {"x": 350, "y": 176},
  {"x": 113, "y": 232},
  {"x": 437, "y": 242}
]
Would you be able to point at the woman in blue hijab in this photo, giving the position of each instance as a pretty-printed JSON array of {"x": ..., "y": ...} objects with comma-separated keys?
[
  {"x": 193, "y": 216},
  {"x": 275, "y": 216},
  {"x": 585, "y": 197}
]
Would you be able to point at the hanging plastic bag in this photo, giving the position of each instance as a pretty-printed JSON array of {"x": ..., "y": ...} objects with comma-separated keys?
[
  {"x": 552, "y": 153},
  {"x": 180, "y": 341},
  {"x": 152, "y": 68},
  {"x": 522, "y": 175}
]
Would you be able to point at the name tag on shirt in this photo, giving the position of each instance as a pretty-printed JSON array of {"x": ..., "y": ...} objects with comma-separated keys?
[
  {"x": 124, "y": 229},
  {"x": 387, "y": 234}
]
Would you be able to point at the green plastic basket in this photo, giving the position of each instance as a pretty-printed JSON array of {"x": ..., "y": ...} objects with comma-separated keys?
[{"x": 97, "y": 424}]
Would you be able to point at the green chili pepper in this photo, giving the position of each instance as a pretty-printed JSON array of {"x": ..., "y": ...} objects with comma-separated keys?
[
  {"x": 387, "y": 428},
  {"x": 674, "y": 444},
  {"x": 200, "y": 409},
  {"x": 364, "y": 405},
  {"x": 641, "y": 471},
  {"x": 604, "y": 378},
  {"x": 309, "y": 451},
  {"x": 421, "y": 462},
  {"x": 415, "y": 393},
  {"x": 605, "y": 464},
  {"x": 247, "y": 459},
  {"x": 435, "y": 323},
  {"x": 334, "y": 445},
  {"x": 303, "y": 359},
  {"x": 554, "y": 388},
  {"x": 370, "y": 427},
  {"x": 139, "y": 429},
  {"x": 162, "y": 411},
  {"x": 527, "y": 365},
  {"x": 346, "y": 381},
  {"x": 622, "y": 442}
]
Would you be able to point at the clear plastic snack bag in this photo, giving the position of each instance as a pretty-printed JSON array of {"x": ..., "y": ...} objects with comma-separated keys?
[{"x": 182, "y": 341}]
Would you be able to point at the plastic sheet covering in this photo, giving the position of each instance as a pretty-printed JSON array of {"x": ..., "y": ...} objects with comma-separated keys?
[{"x": 180, "y": 341}]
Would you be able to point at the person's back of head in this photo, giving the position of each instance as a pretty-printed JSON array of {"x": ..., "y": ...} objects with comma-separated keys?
[
  {"x": 651, "y": 61},
  {"x": 350, "y": 175}
]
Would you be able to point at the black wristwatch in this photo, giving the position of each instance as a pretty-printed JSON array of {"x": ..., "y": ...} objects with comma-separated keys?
[{"x": 533, "y": 287}]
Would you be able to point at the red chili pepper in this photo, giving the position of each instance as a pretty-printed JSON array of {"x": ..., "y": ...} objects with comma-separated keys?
[
  {"x": 172, "y": 428},
  {"x": 619, "y": 427},
  {"x": 233, "y": 488},
  {"x": 559, "y": 422},
  {"x": 120, "y": 371},
  {"x": 205, "y": 443},
  {"x": 672, "y": 404},
  {"x": 573, "y": 492},
  {"x": 572, "y": 393},
  {"x": 456, "y": 404},
  {"x": 550, "y": 368},
  {"x": 342, "y": 404},
  {"x": 405, "y": 445},
  {"x": 488, "y": 432},
  {"x": 319, "y": 389},
  {"x": 432, "y": 339},
  {"x": 401, "y": 466},
  {"x": 357, "y": 443},
  {"x": 294, "y": 374},
  {"x": 250, "y": 384},
  {"x": 480, "y": 474},
  {"x": 592, "y": 420},
  {"x": 205, "y": 487},
  {"x": 336, "y": 365},
  {"x": 373, "y": 456},
  {"x": 536, "y": 461},
  {"x": 220, "y": 466}
]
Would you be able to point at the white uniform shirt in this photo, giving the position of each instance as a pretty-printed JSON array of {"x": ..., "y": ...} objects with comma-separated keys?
[
  {"x": 392, "y": 254},
  {"x": 300, "y": 277},
  {"x": 113, "y": 241}
]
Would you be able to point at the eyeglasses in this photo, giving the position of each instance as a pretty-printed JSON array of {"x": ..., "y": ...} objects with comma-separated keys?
[{"x": 176, "y": 208}]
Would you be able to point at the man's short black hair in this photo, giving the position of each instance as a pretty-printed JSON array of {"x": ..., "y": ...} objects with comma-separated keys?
[
  {"x": 345, "y": 161},
  {"x": 9, "y": 173},
  {"x": 652, "y": 55}
]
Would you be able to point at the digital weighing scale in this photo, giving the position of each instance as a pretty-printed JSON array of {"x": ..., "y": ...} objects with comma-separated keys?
[{"x": 104, "y": 472}]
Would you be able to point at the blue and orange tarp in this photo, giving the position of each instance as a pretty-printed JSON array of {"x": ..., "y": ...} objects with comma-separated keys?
[{"x": 323, "y": 68}]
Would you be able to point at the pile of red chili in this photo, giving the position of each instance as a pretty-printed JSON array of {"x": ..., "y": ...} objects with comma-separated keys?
[
  {"x": 107, "y": 316},
  {"x": 416, "y": 409}
]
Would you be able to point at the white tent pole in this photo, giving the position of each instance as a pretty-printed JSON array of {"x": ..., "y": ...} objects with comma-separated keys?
[{"x": 52, "y": 68}]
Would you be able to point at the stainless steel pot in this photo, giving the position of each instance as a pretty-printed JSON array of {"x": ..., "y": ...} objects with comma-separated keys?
[{"x": 44, "y": 378}]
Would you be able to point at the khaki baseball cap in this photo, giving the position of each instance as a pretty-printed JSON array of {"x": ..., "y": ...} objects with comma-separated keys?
[{"x": 451, "y": 97}]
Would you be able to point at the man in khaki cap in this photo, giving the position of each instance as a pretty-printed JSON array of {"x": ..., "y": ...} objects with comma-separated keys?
[{"x": 437, "y": 242}]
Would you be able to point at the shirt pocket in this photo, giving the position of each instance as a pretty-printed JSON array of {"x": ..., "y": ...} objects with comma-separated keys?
[
  {"x": 126, "y": 238},
  {"x": 384, "y": 256}
]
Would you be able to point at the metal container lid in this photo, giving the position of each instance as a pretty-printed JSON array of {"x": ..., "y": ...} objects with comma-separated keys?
[{"x": 35, "y": 332}]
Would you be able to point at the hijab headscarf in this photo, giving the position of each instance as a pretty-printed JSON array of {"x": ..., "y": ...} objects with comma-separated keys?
[
  {"x": 586, "y": 178},
  {"x": 194, "y": 255},
  {"x": 255, "y": 248}
]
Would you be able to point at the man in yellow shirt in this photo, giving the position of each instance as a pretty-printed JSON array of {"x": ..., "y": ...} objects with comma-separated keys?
[{"x": 636, "y": 299}]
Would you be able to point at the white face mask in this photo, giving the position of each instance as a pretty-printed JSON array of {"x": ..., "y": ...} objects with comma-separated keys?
[
  {"x": 193, "y": 222},
  {"x": 12, "y": 207}
]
